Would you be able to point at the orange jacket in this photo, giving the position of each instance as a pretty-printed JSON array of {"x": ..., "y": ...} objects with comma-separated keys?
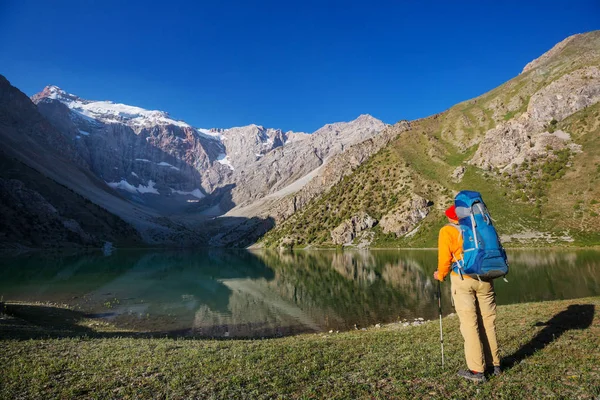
[{"x": 450, "y": 249}]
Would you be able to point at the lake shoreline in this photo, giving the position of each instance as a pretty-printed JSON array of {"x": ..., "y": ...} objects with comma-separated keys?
[{"x": 560, "y": 338}]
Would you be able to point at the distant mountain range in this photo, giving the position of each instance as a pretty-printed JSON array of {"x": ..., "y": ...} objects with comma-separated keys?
[
  {"x": 79, "y": 172},
  {"x": 174, "y": 178}
]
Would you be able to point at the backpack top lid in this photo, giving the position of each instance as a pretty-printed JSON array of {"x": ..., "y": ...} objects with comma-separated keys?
[{"x": 464, "y": 200}]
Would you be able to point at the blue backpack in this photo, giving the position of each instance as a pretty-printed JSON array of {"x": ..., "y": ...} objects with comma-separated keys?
[{"x": 483, "y": 255}]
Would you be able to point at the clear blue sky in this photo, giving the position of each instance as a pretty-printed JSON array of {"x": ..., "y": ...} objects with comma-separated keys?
[{"x": 294, "y": 65}]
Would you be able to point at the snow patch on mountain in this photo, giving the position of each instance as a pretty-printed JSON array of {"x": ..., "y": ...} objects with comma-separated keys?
[
  {"x": 214, "y": 134},
  {"x": 197, "y": 193},
  {"x": 223, "y": 159},
  {"x": 109, "y": 112},
  {"x": 166, "y": 164},
  {"x": 128, "y": 187},
  {"x": 147, "y": 189},
  {"x": 97, "y": 112}
]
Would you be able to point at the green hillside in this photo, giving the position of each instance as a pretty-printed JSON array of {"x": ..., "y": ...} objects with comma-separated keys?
[{"x": 551, "y": 197}]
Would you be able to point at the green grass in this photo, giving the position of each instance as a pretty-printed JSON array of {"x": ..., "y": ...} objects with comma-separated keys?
[
  {"x": 557, "y": 359},
  {"x": 456, "y": 158}
]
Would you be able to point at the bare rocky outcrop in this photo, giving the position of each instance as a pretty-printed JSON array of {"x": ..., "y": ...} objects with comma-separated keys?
[
  {"x": 565, "y": 96},
  {"x": 349, "y": 229},
  {"x": 336, "y": 169},
  {"x": 513, "y": 141},
  {"x": 246, "y": 145},
  {"x": 288, "y": 167},
  {"x": 458, "y": 173},
  {"x": 281, "y": 205},
  {"x": 405, "y": 218}
]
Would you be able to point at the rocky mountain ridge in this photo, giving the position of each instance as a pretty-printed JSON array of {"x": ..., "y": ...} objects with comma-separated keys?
[
  {"x": 173, "y": 177},
  {"x": 166, "y": 164},
  {"x": 530, "y": 146}
]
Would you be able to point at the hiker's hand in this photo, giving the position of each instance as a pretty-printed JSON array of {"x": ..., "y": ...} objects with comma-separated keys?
[{"x": 435, "y": 276}]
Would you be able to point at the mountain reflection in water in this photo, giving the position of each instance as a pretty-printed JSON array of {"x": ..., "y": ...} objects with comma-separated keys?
[{"x": 237, "y": 293}]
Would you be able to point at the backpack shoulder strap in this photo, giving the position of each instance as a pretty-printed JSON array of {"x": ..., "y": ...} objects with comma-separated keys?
[
  {"x": 453, "y": 225},
  {"x": 457, "y": 227},
  {"x": 454, "y": 259}
]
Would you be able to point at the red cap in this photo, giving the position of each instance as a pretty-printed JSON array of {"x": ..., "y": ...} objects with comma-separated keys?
[{"x": 451, "y": 212}]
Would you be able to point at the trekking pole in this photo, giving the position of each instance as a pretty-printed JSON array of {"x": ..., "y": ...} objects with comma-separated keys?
[{"x": 439, "y": 293}]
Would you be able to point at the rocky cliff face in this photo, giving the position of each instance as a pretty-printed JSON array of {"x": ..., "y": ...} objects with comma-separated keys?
[
  {"x": 244, "y": 146},
  {"x": 514, "y": 141},
  {"x": 404, "y": 219},
  {"x": 143, "y": 154},
  {"x": 348, "y": 230},
  {"x": 289, "y": 168},
  {"x": 284, "y": 204},
  {"x": 165, "y": 164}
]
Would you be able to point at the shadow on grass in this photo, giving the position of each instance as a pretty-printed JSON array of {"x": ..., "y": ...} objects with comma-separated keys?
[
  {"x": 576, "y": 316},
  {"x": 25, "y": 322}
]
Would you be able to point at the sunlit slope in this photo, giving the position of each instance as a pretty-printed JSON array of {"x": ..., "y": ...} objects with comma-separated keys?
[{"x": 543, "y": 190}]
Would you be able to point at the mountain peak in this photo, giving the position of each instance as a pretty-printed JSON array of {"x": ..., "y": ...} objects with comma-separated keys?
[
  {"x": 367, "y": 119},
  {"x": 52, "y": 89},
  {"x": 557, "y": 48},
  {"x": 53, "y": 92},
  {"x": 365, "y": 116},
  {"x": 107, "y": 111}
]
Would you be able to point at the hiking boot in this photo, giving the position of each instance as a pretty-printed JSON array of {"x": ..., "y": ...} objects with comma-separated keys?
[
  {"x": 495, "y": 371},
  {"x": 477, "y": 377}
]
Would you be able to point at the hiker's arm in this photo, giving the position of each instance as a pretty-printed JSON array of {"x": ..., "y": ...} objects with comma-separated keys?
[{"x": 444, "y": 253}]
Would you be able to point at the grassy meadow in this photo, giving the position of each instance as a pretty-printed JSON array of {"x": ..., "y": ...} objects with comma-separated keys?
[{"x": 549, "y": 349}]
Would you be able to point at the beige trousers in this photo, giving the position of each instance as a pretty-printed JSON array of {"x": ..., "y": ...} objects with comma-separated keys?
[{"x": 475, "y": 303}]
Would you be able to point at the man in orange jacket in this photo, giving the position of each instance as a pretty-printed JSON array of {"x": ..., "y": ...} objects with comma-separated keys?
[{"x": 475, "y": 303}]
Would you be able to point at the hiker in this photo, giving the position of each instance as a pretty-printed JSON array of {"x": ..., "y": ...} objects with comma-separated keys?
[{"x": 474, "y": 301}]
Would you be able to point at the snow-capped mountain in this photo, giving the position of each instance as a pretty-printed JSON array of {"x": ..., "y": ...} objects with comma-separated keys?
[
  {"x": 166, "y": 164},
  {"x": 107, "y": 111}
]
